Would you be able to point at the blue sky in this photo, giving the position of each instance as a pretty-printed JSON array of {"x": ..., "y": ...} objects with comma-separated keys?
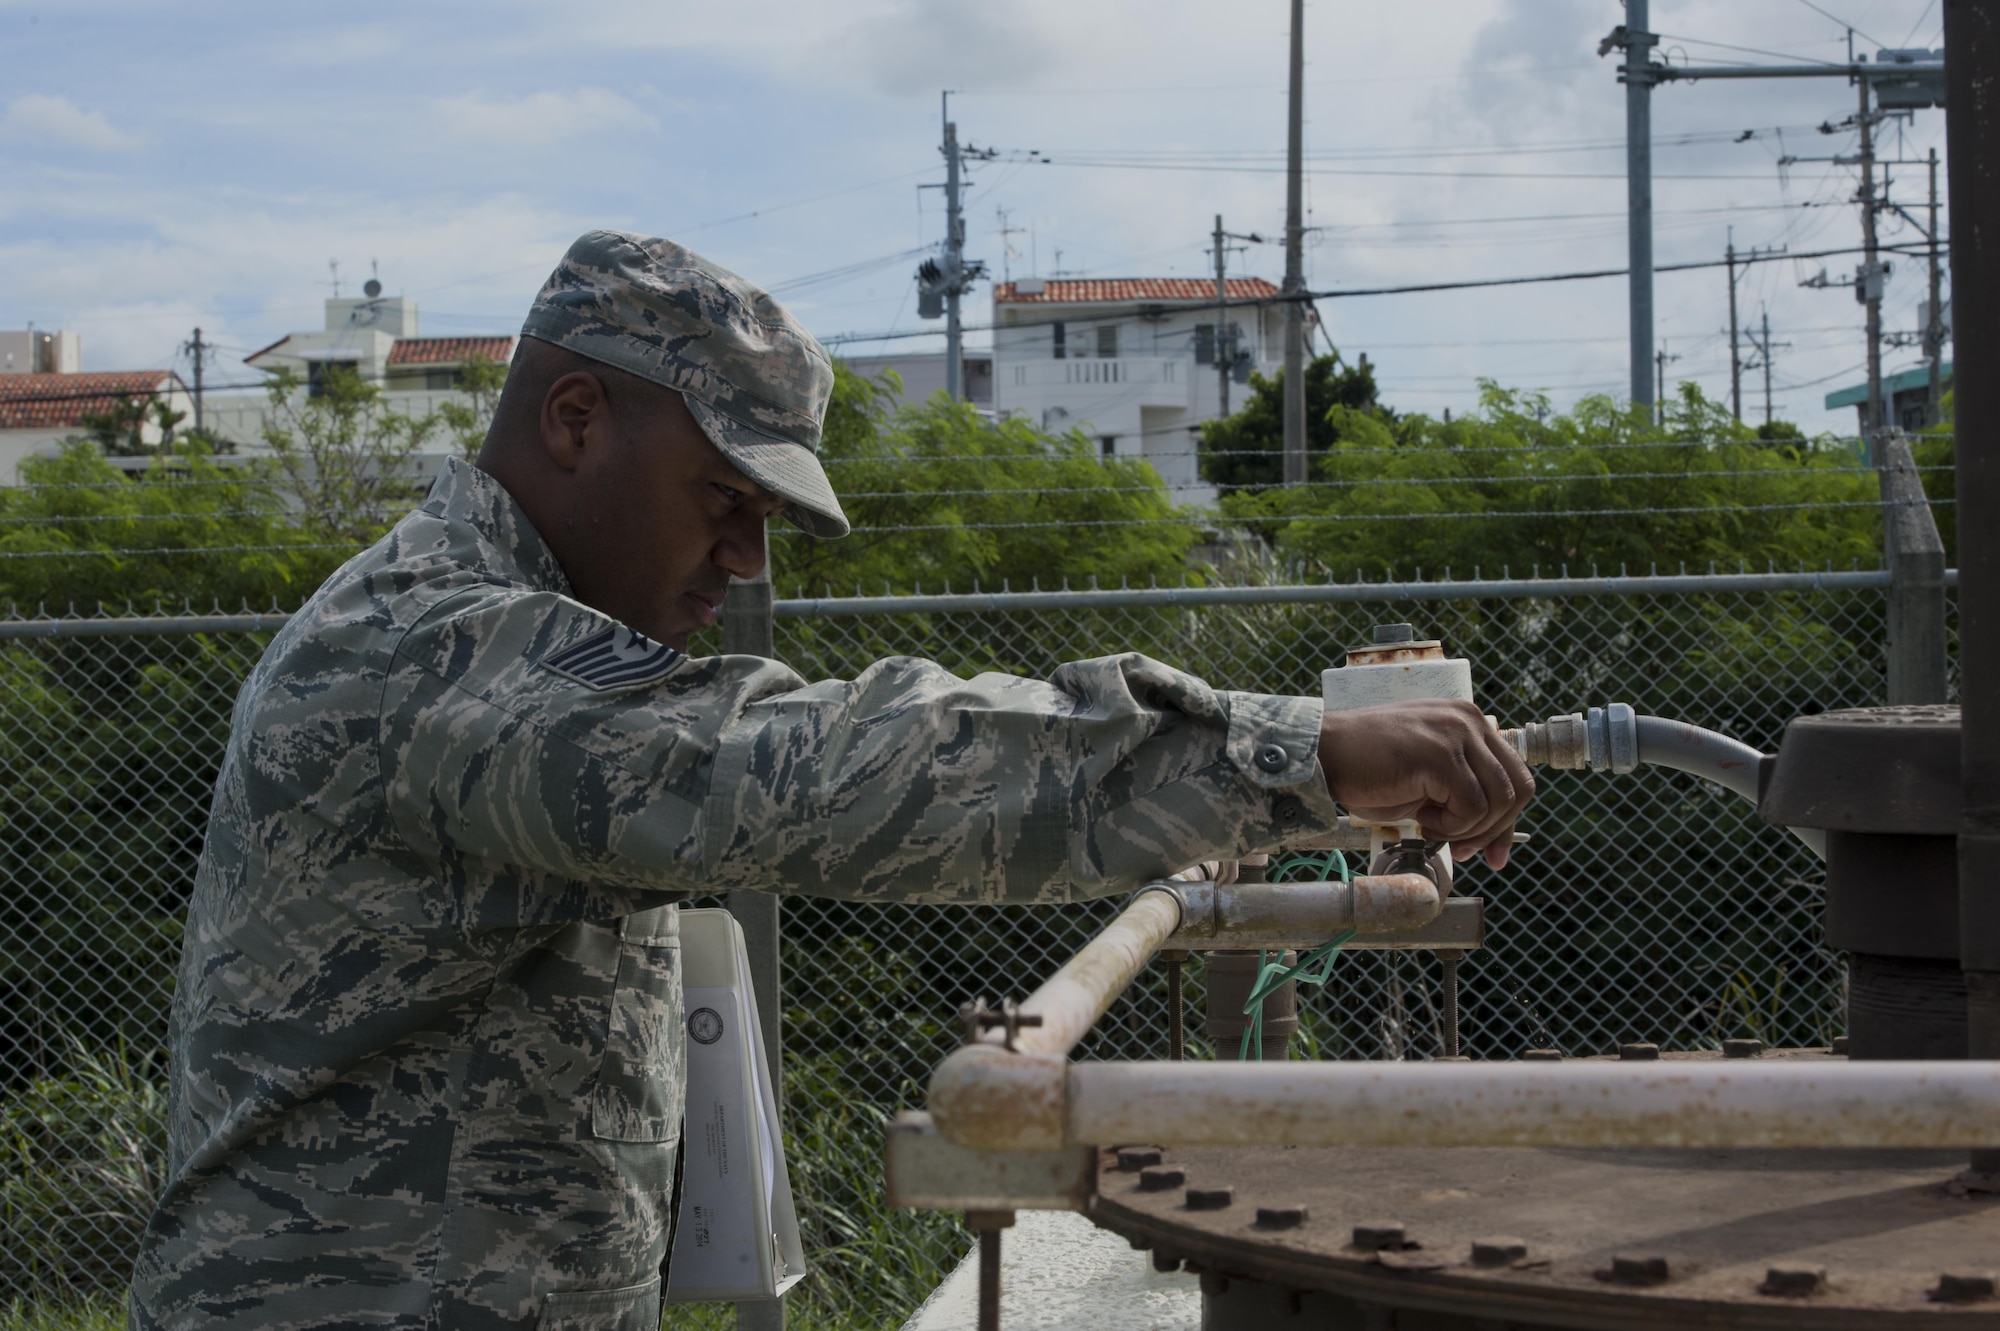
[{"x": 169, "y": 166}]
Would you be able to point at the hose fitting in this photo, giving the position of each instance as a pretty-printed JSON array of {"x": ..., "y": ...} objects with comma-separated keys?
[{"x": 1604, "y": 739}]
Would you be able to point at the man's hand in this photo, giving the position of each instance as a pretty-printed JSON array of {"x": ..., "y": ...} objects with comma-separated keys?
[{"x": 1435, "y": 761}]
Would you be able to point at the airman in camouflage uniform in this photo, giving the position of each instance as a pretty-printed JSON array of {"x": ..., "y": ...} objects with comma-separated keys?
[{"x": 427, "y": 1036}]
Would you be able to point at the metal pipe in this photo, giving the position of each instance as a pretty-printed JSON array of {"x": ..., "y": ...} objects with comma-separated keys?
[
  {"x": 1578, "y": 1103},
  {"x": 1072, "y": 999},
  {"x": 1281, "y": 915}
]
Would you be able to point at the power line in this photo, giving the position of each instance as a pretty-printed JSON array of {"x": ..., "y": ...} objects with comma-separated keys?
[
  {"x": 1841, "y": 21},
  {"x": 838, "y": 339}
]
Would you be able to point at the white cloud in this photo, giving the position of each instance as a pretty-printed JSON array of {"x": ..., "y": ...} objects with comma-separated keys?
[
  {"x": 916, "y": 45},
  {"x": 34, "y": 117},
  {"x": 540, "y": 118}
]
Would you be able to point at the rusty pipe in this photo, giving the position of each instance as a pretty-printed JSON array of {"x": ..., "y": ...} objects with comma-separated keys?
[
  {"x": 1070, "y": 1001},
  {"x": 1595, "y": 1104},
  {"x": 1298, "y": 915}
]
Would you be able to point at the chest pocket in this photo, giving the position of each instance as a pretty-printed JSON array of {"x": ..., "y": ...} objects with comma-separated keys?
[{"x": 640, "y": 1083}]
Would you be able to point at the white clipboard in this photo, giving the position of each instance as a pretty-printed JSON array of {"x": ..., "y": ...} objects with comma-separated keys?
[{"x": 737, "y": 1235}]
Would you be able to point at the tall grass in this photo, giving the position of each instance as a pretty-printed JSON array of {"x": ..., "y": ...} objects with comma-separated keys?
[{"x": 82, "y": 1156}]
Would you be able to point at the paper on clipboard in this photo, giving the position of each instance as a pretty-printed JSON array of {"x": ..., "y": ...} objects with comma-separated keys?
[{"x": 737, "y": 1236}]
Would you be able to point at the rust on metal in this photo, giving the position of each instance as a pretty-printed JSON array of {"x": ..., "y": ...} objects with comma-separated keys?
[
  {"x": 1577, "y": 1237},
  {"x": 1396, "y": 653}
]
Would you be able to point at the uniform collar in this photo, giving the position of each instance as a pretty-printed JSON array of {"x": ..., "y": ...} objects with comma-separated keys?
[{"x": 509, "y": 545}]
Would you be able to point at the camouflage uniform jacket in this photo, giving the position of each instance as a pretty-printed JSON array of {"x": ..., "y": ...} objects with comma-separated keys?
[{"x": 427, "y": 1036}]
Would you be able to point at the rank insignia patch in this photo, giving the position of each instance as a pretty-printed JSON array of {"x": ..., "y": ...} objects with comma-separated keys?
[{"x": 614, "y": 659}]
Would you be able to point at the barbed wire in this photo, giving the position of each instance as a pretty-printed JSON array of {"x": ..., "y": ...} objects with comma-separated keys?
[
  {"x": 1183, "y": 520},
  {"x": 1287, "y": 518},
  {"x": 1844, "y": 474},
  {"x": 46, "y": 519},
  {"x": 162, "y": 477},
  {"x": 1406, "y": 451},
  {"x": 120, "y": 553}
]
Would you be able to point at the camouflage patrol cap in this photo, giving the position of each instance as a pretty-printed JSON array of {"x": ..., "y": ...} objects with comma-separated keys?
[{"x": 755, "y": 379}]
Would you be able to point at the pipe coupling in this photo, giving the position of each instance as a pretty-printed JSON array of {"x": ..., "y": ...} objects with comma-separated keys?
[{"x": 1603, "y": 739}]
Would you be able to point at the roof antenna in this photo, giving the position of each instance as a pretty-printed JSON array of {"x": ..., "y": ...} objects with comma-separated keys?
[{"x": 333, "y": 266}]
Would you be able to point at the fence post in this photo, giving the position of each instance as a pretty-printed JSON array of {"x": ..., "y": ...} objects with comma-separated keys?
[
  {"x": 747, "y": 631},
  {"x": 1917, "y": 647}
]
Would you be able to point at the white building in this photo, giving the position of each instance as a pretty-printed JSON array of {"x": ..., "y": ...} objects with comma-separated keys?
[
  {"x": 39, "y": 411},
  {"x": 31, "y": 351},
  {"x": 922, "y": 373},
  {"x": 1132, "y": 361},
  {"x": 377, "y": 338}
]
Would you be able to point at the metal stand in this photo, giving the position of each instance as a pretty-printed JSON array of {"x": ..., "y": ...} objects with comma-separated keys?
[
  {"x": 747, "y": 631},
  {"x": 988, "y": 1225},
  {"x": 1449, "y": 959}
]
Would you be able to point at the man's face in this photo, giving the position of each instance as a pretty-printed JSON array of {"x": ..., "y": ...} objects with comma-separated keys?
[{"x": 662, "y": 520}]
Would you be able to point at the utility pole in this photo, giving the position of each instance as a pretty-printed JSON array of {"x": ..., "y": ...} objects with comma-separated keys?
[
  {"x": 939, "y": 286},
  {"x": 1742, "y": 260},
  {"x": 1660, "y": 359},
  {"x": 1764, "y": 347},
  {"x": 1869, "y": 281},
  {"x": 1908, "y": 79},
  {"x": 198, "y": 349},
  {"x": 1934, "y": 324},
  {"x": 1295, "y": 281},
  {"x": 1223, "y": 312},
  {"x": 1225, "y": 328},
  {"x": 1735, "y": 361},
  {"x": 1638, "y": 74},
  {"x": 954, "y": 259}
]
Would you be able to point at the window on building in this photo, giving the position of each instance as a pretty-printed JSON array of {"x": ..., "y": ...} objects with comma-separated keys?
[
  {"x": 1109, "y": 444},
  {"x": 440, "y": 379},
  {"x": 317, "y": 370},
  {"x": 1107, "y": 341},
  {"x": 1056, "y": 330},
  {"x": 1204, "y": 344}
]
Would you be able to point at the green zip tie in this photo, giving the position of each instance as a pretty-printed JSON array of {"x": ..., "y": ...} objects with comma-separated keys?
[{"x": 1272, "y": 975}]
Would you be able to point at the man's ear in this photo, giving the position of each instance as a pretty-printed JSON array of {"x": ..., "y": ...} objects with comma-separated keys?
[{"x": 572, "y": 405}]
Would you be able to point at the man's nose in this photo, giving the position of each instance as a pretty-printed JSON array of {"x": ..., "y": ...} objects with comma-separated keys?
[{"x": 740, "y": 551}]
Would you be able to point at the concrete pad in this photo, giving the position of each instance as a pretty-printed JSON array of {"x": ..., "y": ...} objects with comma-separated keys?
[{"x": 1059, "y": 1272}]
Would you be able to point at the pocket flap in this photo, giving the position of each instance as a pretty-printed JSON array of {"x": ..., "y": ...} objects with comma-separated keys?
[{"x": 633, "y": 1308}]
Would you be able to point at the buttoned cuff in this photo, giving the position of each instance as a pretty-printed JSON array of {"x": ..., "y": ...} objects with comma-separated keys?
[{"x": 1274, "y": 743}]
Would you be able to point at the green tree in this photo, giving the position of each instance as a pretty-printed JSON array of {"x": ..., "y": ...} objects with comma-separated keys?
[
  {"x": 79, "y": 531},
  {"x": 1515, "y": 485},
  {"x": 939, "y": 494},
  {"x": 345, "y": 457},
  {"x": 1247, "y": 448},
  {"x": 480, "y": 378},
  {"x": 120, "y": 429}
]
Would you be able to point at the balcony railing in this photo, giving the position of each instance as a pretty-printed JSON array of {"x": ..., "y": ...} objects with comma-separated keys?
[{"x": 1121, "y": 370}]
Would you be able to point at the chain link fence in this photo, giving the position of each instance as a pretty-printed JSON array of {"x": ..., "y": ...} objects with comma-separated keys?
[{"x": 1648, "y": 906}]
